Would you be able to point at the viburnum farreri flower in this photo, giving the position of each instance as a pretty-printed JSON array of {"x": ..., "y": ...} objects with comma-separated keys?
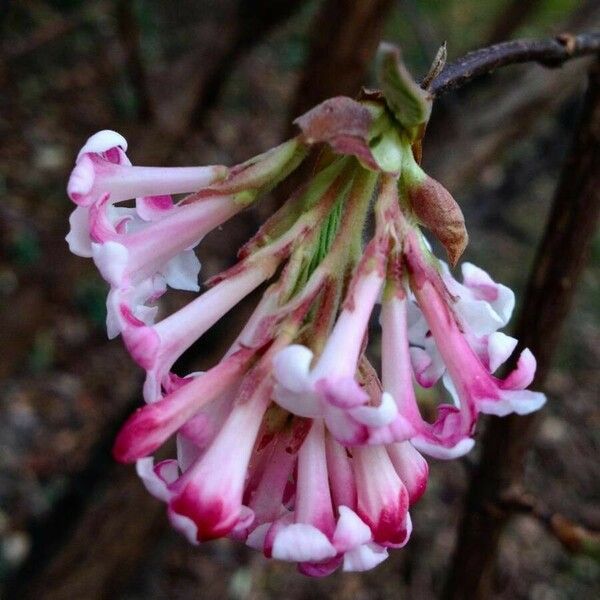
[{"x": 294, "y": 442}]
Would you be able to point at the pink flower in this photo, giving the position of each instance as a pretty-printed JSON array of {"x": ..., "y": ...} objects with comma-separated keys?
[
  {"x": 329, "y": 517},
  {"x": 149, "y": 427},
  {"x": 141, "y": 251},
  {"x": 103, "y": 173},
  {"x": 293, "y": 442},
  {"x": 473, "y": 388},
  {"x": 329, "y": 389},
  {"x": 115, "y": 236},
  {"x": 295, "y": 494},
  {"x": 399, "y": 383},
  {"x": 456, "y": 326},
  {"x": 314, "y": 534},
  {"x": 157, "y": 347},
  {"x": 102, "y": 167},
  {"x": 214, "y": 504},
  {"x": 200, "y": 504},
  {"x": 481, "y": 307},
  {"x": 383, "y": 499}
]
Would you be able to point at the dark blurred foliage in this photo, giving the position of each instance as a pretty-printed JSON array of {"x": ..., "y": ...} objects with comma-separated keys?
[{"x": 206, "y": 81}]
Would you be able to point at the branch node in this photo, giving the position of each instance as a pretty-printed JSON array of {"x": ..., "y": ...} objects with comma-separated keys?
[{"x": 569, "y": 41}]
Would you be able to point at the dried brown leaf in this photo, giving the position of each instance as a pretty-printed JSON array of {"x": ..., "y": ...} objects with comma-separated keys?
[
  {"x": 342, "y": 123},
  {"x": 435, "y": 207}
]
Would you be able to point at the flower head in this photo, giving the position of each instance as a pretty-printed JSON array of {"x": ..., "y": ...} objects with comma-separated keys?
[{"x": 293, "y": 442}]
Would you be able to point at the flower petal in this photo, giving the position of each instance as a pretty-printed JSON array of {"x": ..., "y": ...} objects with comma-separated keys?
[
  {"x": 523, "y": 375},
  {"x": 157, "y": 478},
  {"x": 436, "y": 450},
  {"x": 364, "y": 557},
  {"x": 500, "y": 347},
  {"x": 351, "y": 531},
  {"x": 291, "y": 367},
  {"x": 111, "y": 260},
  {"x": 377, "y": 416},
  {"x": 102, "y": 141},
  {"x": 181, "y": 272},
  {"x": 521, "y": 402},
  {"x": 342, "y": 392},
  {"x": 501, "y": 298},
  {"x": 300, "y": 542},
  {"x": 78, "y": 237}
]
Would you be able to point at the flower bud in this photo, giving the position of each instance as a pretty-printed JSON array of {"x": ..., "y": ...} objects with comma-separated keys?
[{"x": 435, "y": 208}]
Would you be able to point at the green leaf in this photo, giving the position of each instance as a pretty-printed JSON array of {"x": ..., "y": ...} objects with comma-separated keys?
[{"x": 410, "y": 104}]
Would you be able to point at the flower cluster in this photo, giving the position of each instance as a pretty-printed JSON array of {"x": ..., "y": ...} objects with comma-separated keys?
[{"x": 294, "y": 442}]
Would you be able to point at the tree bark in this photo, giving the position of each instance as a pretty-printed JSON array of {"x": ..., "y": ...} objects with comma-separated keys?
[{"x": 558, "y": 266}]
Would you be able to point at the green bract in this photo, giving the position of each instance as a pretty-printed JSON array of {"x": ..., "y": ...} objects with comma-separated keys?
[{"x": 410, "y": 104}]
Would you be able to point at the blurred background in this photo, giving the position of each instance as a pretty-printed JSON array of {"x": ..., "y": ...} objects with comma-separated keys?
[{"x": 217, "y": 81}]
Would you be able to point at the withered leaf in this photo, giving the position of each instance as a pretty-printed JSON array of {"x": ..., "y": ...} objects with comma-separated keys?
[
  {"x": 435, "y": 207},
  {"x": 342, "y": 123}
]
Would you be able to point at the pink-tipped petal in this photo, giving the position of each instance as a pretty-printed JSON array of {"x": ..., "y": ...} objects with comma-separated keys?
[
  {"x": 382, "y": 497},
  {"x": 141, "y": 341},
  {"x": 300, "y": 542},
  {"x": 411, "y": 467},
  {"x": 523, "y": 375},
  {"x": 341, "y": 392},
  {"x": 213, "y": 503},
  {"x": 102, "y": 141},
  {"x": 157, "y": 478}
]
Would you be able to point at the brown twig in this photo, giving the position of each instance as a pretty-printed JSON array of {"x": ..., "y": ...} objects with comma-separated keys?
[
  {"x": 550, "y": 53},
  {"x": 558, "y": 266}
]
